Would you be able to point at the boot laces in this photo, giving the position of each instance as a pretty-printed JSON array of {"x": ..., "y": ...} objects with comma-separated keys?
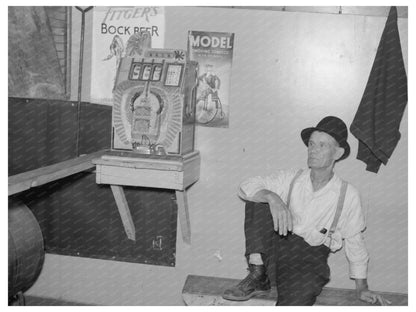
[{"x": 249, "y": 279}]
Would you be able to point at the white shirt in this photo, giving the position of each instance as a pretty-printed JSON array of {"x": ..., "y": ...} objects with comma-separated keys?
[{"x": 313, "y": 211}]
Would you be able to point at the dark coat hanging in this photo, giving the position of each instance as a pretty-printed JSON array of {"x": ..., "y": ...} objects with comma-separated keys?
[{"x": 377, "y": 121}]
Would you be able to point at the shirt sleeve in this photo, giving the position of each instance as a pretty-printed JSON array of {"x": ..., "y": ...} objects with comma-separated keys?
[
  {"x": 357, "y": 256},
  {"x": 352, "y": 220},
  {"x": 278, "y": 183}
]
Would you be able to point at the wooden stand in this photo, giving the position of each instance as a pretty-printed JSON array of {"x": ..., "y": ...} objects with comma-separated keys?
[{"x": 132, "y": 169}]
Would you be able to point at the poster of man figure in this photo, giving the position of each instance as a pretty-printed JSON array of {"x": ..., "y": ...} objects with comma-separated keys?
[{"x": 213, "y": 51}]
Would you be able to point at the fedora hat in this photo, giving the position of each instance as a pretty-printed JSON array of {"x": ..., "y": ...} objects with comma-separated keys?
[{"x": 335, "y": 127}]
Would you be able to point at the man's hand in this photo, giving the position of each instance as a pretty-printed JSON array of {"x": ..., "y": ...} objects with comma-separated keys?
[
  {"x": 282, "y": 218},
  {"x": 371, "y": 297},
  {"x": 364, "y": 294}
]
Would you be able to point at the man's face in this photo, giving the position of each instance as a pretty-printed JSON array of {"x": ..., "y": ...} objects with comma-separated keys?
[{"x": 323, "y": 150}]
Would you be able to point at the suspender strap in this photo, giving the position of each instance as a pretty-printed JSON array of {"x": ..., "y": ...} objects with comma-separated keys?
[
  {"x": 291, "y": 187},
  {"x": 340, "y": 204}
]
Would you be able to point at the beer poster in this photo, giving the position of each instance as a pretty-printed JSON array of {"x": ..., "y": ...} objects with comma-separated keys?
[
  {"x": 214, "y": 52},
  {"x": 117, "y": 32}
]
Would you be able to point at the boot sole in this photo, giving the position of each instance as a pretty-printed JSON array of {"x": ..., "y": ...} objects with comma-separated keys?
[{"x": 245, "y": 298}]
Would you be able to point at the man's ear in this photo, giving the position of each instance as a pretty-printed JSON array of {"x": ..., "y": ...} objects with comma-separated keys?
[{"x": 339, "y": 152}]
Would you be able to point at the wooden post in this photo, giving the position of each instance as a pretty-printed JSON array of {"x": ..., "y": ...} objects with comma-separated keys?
[
  {"x": 183, "y": 213},
  {"x": 123, "y": 209}
]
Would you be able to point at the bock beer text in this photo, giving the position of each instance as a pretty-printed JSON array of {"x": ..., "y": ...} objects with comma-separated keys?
[{"x": 127, "y": 30}]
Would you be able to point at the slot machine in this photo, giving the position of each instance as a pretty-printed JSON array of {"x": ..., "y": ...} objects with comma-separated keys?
[
  {"x": 153, "y": 136},
  {"x": 154, "y": 103}
]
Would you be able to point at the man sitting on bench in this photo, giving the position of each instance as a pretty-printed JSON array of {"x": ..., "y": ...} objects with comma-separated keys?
[{"x": 320, "y": 210}]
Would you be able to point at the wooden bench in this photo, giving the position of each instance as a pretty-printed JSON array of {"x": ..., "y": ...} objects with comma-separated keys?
[
  {"x": 206, "y": 290},
  {"x": 117, "y": 169},
  {"x": 26, "y": 180}
]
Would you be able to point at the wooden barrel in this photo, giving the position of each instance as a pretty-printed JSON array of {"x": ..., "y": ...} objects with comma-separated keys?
[{"x": 26, "y": 249}]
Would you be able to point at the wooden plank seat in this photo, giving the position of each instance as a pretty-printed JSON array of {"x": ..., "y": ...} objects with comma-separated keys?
[
  {"x": 206, "y": 290},
  {"x": 26, "y": 180}
]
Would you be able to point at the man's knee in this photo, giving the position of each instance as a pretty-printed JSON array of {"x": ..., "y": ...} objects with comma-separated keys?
[
  {"x": 258, "y": 212},
  {"x": 258, "y": 218},
  {"x": 254, "y": 205}
]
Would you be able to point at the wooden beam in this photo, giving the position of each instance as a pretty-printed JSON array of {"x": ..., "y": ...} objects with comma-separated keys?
[
  {"x": 24, "y": 181},
  {"x": 165, "y": 172},
  {"x": 123, "y": 209},
  {"x": 141, "y": 177},
  {"x": 402, "y": 11},
  {"x": 191, "y": 169},
  {"x": 183, "y": 213}
]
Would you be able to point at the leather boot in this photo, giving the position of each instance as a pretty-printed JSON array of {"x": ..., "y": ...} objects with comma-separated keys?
[{"x": 255, "y": 283}]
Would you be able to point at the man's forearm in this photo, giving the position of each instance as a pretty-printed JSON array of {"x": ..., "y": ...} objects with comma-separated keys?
[
  {"x": 364, "y": 294},
  {"x": 265, "y": 196},
  {"x": 361, "y": 284}
]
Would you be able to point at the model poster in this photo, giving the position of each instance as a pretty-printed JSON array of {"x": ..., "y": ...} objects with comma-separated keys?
[
  {"x": 214, "y": 52},
  {"x": 118, "y": 32}
]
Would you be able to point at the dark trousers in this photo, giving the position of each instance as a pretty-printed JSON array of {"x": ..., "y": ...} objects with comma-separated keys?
[{"x": 299, "y": 270}]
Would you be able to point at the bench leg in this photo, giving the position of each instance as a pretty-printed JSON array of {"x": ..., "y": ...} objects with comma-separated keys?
[
  {"x": 183, "y": 212},
  {"x": 123, "y": 209}
]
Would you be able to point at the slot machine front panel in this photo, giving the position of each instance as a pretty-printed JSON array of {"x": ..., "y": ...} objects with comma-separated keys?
[{"x": 153, "y": 110}]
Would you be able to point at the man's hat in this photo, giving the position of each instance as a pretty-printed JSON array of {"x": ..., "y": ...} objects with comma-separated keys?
[{"x": 335, "y": 127}]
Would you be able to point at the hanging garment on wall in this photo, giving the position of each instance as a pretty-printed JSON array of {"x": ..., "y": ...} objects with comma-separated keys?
[{"x": 377, "y": 121}]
